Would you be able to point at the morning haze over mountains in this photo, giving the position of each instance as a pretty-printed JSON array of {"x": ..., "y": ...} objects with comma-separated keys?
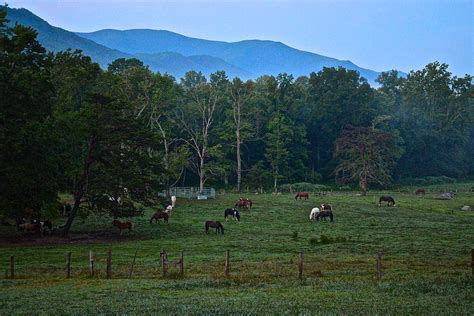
[{"x": 176, "y": 54}]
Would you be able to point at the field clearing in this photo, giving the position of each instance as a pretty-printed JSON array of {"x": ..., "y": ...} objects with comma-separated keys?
[{"x": 426, "y": 244}]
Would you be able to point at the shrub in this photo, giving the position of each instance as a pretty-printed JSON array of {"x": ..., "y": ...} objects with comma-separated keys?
[
  {"x": 428, "y": 180},
  {"x": 313, "y": 241},
  {"x": 302, "y": 186},
  {"x": 294, "y": 235}
]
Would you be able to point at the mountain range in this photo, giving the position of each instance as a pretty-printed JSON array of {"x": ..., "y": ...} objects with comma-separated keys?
[{"x": 176, "y": 54}]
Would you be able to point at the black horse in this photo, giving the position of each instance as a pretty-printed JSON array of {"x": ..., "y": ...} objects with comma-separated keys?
[
  {"x": 386, "y": 198},
  {"x": 324, "y": 214},
  {"x": 217, "y": 225},
  {"x": 232, "y": 212}
]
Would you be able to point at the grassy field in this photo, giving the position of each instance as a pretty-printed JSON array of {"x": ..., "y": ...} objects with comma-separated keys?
[{"x": 426, "y": 244}]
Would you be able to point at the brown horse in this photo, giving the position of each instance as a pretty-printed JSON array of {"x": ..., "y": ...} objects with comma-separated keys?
[
  {"x": 159, "y": 215},
  {"x": 247, "y": 203},
  {"x": 123, "y": 225},
  {"x": 217, "y": 225},
  {"x": 301, "y": 195},
  {"x": 35, "y": 227},
  {"x": 324, "y": 214},
  {"x": 420, "y": 192},
  {"x": 326, "y": 207}
]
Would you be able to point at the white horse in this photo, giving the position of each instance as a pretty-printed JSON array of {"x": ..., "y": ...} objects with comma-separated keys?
[
  {"x": 169, "y": 208},
  {"x": 314, "y": 213}
]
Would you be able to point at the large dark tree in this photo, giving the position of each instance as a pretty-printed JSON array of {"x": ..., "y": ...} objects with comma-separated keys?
[
  {"x": 28, "y": 155},
  {"x": 365, "y": 155}
]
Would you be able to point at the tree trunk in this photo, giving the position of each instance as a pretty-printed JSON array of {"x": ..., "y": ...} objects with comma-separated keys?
[
  {"x": 201, "y": 175},
  {"x": 81, "y": 186},
  {"x": 363, "y": 185},
  {"x": 239, "y": 163}
]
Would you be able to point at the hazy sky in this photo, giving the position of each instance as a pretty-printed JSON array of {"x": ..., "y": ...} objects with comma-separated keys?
[{"x": 375, "y": 34}]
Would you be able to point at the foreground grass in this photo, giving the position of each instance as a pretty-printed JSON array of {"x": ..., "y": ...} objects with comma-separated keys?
[{"x": 426, "y": 244}]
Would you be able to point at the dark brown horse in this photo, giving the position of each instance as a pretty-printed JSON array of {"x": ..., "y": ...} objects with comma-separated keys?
[
  {"x": 386, "y": 198},
  {"x": 247, "y": 203},
  {"x": 324, "y": 214},
  {"x": 420, "y": 192},
  {"x": 159, "y": 215},
  {"x": 123, "y": 225},
  {"x": 217, "y": 225},
  {"x": 326, "y": 207},
  {"x": 301, "y": 195}
]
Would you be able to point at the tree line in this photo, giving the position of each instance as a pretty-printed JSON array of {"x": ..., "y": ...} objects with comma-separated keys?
[{"x": 115, "y": 137}]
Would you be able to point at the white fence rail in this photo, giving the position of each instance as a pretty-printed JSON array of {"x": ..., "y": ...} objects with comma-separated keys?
[{"x": 193, "y": 192}]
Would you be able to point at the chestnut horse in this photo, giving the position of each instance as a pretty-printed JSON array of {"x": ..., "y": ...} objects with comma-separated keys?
[
  {"x": 420, "y": 192},
  {"x": 159, "y": 215},
  {"x": 301, "y": 195},
  {"x": 243, "y": 203},
  {"x": 123, "y": 225},
  {"x": 217, "y": 225}
]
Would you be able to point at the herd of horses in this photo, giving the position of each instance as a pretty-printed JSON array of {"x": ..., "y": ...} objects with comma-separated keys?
[{"x": 316, "y": 214}]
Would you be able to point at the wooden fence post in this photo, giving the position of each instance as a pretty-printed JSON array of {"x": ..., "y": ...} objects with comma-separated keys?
[
  {"x": 91, "y": 263},
  {"x": 109, "y": 264},
  {"x": 181, "y": 264},
  {"x": 133, "y": 263},
  {"x": 300, "y": 266},
  {"x": 472, "y": 262},
  {"x": 164, "y": 262},
  {"x": 68, "y": 264},
  {"x": 12, "y": 267},
  {"x": 378, "y": 265},
  {"x": 226, "y": 263}
]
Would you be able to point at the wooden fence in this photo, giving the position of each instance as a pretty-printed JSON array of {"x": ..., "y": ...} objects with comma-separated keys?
[{"x": 166, "y": 263}]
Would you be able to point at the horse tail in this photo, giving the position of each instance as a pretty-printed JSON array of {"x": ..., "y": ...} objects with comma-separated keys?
[
  {"x": 331, "y": 217},
  {"x": 296, "y": 196}
]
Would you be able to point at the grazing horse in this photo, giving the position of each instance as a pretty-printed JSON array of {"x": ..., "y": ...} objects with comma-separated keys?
[
  {"x": 388, "y": 199},
  {"x": 159, "y": 215},
  {"x": 47, "y": 226},
  {"x": 123, "y": 225},
  {"x": 314, "y": 212},
  {"x": 420, "y": 192},
  {"x": 301, "y": 195},
  {"x": 324, "y": 214},
  {"x": 243, "y": 203},
  {"x": 232, "y": 212},
  {"x": 326, "y": 207},
  {"x": 33, "y": 227},
  {"x": 217, "y": 225},
  {"x": 169, "y": 210}
]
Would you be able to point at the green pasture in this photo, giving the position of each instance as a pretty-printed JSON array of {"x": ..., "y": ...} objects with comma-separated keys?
[{"x": 426, "y": 244}]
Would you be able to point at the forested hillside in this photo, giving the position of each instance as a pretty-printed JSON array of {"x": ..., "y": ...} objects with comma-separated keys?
[
  {"x": 69, "y": 126},
  {"x": 175, "y": 54}
]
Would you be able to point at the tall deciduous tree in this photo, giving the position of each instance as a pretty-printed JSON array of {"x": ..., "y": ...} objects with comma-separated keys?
[
  {"x": 203, "y": 100},
  {"x": 240, "y": 93}
]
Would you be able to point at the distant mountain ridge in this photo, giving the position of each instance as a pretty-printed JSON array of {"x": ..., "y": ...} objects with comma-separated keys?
[{"x": 176, "y": 54}]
